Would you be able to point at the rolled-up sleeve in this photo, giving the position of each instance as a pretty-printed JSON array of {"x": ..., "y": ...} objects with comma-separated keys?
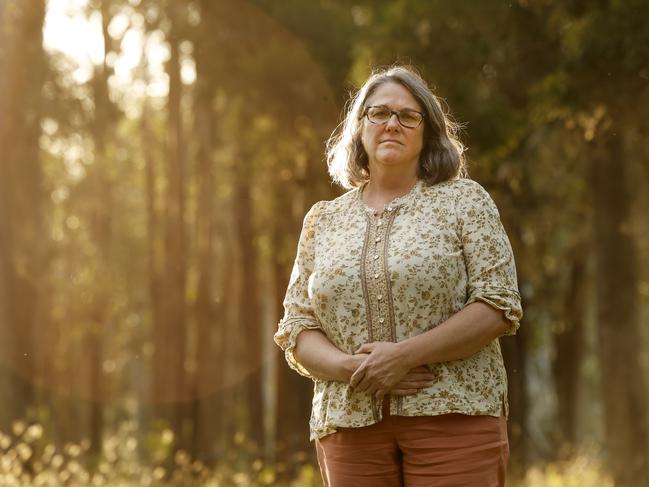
[
  {"x": 488, "y": 255},
  {"x": 298, "y": 310}
]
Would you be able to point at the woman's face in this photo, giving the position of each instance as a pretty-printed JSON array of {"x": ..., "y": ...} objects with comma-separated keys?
[{"x": 392, "y": 144}]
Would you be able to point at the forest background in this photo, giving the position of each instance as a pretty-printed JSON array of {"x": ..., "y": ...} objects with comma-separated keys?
[{"x": 157, "y": 159}]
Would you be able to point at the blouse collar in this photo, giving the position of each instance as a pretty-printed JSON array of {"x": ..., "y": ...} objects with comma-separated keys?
[{"x": 404, "y": 200}]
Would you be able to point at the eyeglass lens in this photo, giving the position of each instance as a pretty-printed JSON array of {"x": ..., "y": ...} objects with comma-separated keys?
[{"x": 381, "y": 115}]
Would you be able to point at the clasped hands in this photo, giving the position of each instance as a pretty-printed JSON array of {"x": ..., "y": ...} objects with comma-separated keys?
[{"x": 384, "y": 370}]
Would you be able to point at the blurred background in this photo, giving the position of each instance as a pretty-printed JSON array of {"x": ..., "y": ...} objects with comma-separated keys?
[{"x": 157, "y": 159}]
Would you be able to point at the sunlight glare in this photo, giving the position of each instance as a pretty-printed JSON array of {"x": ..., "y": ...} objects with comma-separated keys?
[{"x": 67, "y": 30}]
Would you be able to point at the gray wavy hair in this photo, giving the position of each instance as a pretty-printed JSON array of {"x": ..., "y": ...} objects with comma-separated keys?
[{"x": 442, "y": 155}]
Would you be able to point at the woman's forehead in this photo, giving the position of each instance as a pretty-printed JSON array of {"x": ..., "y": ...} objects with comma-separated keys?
[{"x": 393, "y": 95}]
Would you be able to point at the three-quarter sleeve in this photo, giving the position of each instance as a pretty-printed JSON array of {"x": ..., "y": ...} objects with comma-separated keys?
[
  {"x": 488, "y": 254},
  {"x": 298, "y": 310}
]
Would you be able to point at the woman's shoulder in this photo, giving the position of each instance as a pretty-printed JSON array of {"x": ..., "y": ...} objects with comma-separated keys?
[
  {"x": 461, "y": 196},
  {"x": 336, "y": 205},
  {"x": 457, "y": 186},
  {"x": 461, "y": 191}
]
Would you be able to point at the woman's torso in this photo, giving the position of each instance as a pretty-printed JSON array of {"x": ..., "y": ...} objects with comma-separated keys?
[{"x": 390, "y": 276}]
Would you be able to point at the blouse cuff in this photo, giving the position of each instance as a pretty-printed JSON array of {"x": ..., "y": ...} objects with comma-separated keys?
[
  {"x": 286, "y": 338},
  {"x": 507, "y": 300}
]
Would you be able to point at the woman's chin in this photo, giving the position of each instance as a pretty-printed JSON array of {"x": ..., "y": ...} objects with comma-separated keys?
[{"x": 392, "y": 160}]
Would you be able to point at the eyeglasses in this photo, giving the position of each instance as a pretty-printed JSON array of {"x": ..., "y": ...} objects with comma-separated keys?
[{"x": 380, "y": 114}]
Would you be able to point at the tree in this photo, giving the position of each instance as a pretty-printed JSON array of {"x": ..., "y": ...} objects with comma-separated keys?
[
  {"x": 24, "y": 253},
  {"x": 600, "y": 82}
]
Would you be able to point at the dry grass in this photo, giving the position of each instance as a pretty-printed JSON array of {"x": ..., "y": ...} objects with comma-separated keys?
[
  {"x": 27, "y": 459},
  {"x": 582, "y": 471}
]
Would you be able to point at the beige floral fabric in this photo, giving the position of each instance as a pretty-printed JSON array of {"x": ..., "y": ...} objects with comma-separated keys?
[{"x": 360, "y": 276}]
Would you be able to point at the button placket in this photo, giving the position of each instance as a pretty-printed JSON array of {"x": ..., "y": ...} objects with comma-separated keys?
[
  {"x": 383, "y": 331},
  {"x": 376, "y": 284},
  {"x": 375, "y": 279}
]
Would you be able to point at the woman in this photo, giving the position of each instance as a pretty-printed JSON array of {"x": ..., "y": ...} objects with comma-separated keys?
[{"x": 399, "y": 292}]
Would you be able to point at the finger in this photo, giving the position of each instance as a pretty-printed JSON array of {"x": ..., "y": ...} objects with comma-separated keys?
[
  {"x": 372, "y": 388},
  {"x": 363, "y": 385},
  {"x": 357, "y": 377},
  {"x": 403, "y": 392},
  {"x": 418, "y": 378},
  {"x": 427, "y": 377},
  {"x": 410, "y": 384},
  {"x": 421, "y": 368},
  {"x": 422, "y": 380},
  {"x": 422, "y": 372},
  {"x": 365, "y": 348}
]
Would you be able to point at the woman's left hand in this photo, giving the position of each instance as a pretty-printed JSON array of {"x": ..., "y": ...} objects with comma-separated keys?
[{"x": 383, "y": 369}]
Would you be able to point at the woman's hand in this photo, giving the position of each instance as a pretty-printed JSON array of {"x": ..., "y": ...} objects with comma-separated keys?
[
  {"x": 415, "y": 380},
  {"x": 383, "y": 370}
]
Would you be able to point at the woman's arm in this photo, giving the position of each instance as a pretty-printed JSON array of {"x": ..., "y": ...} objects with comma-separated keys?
[
  {"x": 325, "y": 361},
  {"x": 461, "y": 336}
]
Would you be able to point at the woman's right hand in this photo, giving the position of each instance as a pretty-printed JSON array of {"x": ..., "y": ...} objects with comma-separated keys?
[{"x": 415, "y": 380}]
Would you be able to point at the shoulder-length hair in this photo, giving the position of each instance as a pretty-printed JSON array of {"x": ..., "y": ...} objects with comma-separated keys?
[{"x": 442, "y": 154}]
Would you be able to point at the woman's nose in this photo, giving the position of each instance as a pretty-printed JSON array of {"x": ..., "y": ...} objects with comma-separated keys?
[{"x": 393, "y": 122}]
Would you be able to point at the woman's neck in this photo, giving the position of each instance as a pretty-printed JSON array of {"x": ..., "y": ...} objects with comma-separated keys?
[
  {"x": 390, "y": 182},
  {"x": 383, "y": 188}
]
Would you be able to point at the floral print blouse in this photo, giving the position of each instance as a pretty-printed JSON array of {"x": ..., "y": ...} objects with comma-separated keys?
[{"x": 360, "y": 276}]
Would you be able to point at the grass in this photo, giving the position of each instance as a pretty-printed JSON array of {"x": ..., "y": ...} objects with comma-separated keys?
[
  {"x": 581, "y": 471},
  {"x": 28, "y": 459}
]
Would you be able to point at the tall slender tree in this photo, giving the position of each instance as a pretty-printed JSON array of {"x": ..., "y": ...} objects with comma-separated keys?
[
  {"x": 170, "y": 331},
  {"x": 24, "y": 253}
]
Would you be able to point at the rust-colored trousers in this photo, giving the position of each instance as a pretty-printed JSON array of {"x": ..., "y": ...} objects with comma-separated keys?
[{"x": 450, "y": 450}]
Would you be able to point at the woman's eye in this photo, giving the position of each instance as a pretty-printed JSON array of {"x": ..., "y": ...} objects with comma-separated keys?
[{"x": 408, "y": 117}]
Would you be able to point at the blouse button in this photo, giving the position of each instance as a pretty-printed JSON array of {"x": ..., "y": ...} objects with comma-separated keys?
[
  {"x": 376, "y": 256},
  {"x": 379, "y": 297},
  {"x": 381, "y": 320},
  {"x": 379, "y": 223},
  {"x": 377, "y": 239},
  {"x": 376, "y": 276}
]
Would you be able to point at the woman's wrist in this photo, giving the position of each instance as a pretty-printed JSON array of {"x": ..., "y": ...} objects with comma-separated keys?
[
  {"x": 349, "y": 365},
  {"x": 408, "y": 355}
]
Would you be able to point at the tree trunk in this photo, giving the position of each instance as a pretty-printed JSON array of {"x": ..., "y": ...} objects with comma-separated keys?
[
  {"x": 294, "y": 392},
  {"x": 101, "y": 224},
  {"x": 154, "y": 260},
  {"x": 624, "y": 392},
  {"x": 250, "y": 310},
  {"x": 569, "y": 350},
  {"x": 24, "y": 252},
  {"x": 210, "y": 336},
  {"x": 514, "y": 351},
  {"x": 170, "y": 329}
]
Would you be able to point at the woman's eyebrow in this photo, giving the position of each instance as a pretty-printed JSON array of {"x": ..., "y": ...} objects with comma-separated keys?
[{"x": 383, "y": 105}]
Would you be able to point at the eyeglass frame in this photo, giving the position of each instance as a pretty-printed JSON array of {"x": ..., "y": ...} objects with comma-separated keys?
[{"x": 393, "y": 112}]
